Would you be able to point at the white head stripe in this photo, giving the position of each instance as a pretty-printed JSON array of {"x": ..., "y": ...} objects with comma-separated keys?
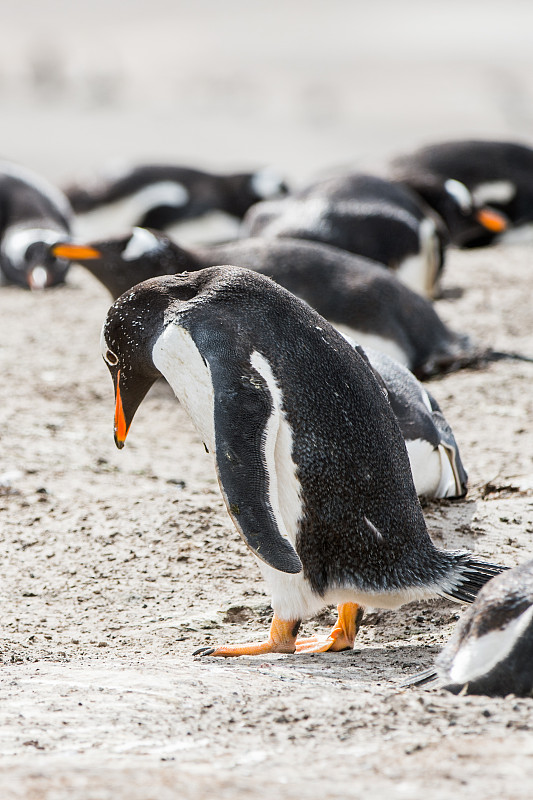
[
  {"x": 141, "y": 242},
  {"x": 266, "y": 183},
  {"x": 460, "y": 194}
]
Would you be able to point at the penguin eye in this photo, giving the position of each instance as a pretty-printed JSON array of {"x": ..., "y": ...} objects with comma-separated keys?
[{"x": 111, "y": 358}]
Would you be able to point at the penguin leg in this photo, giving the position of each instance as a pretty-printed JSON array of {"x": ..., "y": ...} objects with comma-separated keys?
[
  {"x": 282, "y": 639},
  {"x": 342, "y": 635}
]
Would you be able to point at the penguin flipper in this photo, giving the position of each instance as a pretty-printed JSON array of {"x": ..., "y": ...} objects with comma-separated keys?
[
  {"x": 243, "y": 411},
  {"x": 449, "y": 445}
]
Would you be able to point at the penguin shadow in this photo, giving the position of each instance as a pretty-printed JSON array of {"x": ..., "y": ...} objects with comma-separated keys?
[{"x": 368, "y": 665}]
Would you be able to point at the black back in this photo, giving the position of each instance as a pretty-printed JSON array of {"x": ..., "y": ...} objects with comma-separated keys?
[
  {"x": 233, "y": 193},
  {"x": 364, "y": 214}
]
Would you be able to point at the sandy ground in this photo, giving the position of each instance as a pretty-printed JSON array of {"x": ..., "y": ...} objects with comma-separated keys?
[{"x": 117, "y": 565}]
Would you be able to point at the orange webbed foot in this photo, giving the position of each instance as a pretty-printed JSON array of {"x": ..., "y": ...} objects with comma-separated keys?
[
  {"x": 282, "y": 639},
  {"x": 341, "y": 637}
]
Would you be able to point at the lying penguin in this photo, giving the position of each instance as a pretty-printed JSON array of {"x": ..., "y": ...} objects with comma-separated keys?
[
  {"x": 34, "y": 215},
  {"x": 309, "y": 457},
  {"x": 161, "y": 195},
  {"x": 433, "y": 452},
  {"x": 491, "y": 649},
  {"x": 363, "y": 214},
  {"x": 483, "y": 190},
  {"x": 360, "y": 298}
]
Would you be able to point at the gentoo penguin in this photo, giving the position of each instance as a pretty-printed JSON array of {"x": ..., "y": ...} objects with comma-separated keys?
[
  {"x": 310, "y": 459},
  {"x": 363, "y": 214},
  {"x": 491, "y": 649},
  {"x": 483, "y": 190},
  {"x": 34, "y": 214},
  {"x": 433, "y": 452},
  {"x": 161, "y": 195},
  {"x": 362, "y": 299}
]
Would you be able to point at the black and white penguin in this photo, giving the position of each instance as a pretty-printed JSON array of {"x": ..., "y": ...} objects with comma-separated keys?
[
  {"x": 362, "y": 299},
  {"x": 491, "y": 649},
  {"x": 34, "y": 215},
  {"x": 162, "y": 195},
  {"x": 483, "y": 190},
  {"x": 310, "y": 459},
  {"x": 431, "y": 446},
  {"x": 363, "y": 214}
]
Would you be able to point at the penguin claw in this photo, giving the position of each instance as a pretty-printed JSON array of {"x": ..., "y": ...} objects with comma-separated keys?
[{"x": 204, "y": 651}]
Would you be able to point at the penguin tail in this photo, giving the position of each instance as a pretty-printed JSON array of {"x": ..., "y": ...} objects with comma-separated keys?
[
  {"x": 496, "y": 355},
  {"x": 459, "y": 352},
  {"x": 463, "y": 353},
  {"x": 467, "y": 576},
  {"x": 428, "y": 677}
]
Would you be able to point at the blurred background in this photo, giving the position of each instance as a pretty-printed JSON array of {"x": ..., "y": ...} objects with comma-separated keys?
[{"x": 301, "y": 84}]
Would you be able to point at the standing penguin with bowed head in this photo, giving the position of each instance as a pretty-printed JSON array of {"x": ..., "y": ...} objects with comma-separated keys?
[
  {"x": 309, "y": 457},
  {"x": 34, "y": 215}
]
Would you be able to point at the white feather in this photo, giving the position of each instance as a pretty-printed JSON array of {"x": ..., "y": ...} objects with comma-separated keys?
[
  {"x": 460, "y": 194},
  {"x": 142, "y": 242},
  {"x": 493, "y": 192},
  {"x": 284, "y": 487},
  {"x": 266, "y": 183},
  {"x": 177, "y": 357},
  {"x": 419, "y": 272},
  {"x": 112, "y": 218},
  {"x": 433, "y": 475},
  {"x": 17, "y": 240},
  {"x": 373, "y": 341}
]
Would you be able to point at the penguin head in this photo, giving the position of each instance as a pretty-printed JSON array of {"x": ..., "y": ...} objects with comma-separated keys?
[
  {"x": 122, "y": 262},
  {"x": 27, "y": 259},
  {"x": 464, "y": 218},
  {"x": 128, "y": 337},
  {"x": 246, "y": 189}
]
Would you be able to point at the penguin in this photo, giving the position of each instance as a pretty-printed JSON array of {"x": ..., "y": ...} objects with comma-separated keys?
[
  {"x": 309, "y": 456},
  {"x": 361, "y": 298},
  {"x": 161, "y": 195},
  {"x": 436, "y": 464},
  {"x": 483, "y": 190},
  {"x": 491, "y": 649},
  {"x": 34, "y": 215},
  {"x": 364, "y": 214}
]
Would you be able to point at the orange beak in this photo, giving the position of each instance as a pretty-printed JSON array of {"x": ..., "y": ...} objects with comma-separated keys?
[
  {"x": 76, "y": 252},
  {"x": 121, "y": 429},
  {"x": 492, "y": 220}
]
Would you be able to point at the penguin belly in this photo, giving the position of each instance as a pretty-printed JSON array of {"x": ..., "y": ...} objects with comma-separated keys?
[{"x": 433, "y": 475}]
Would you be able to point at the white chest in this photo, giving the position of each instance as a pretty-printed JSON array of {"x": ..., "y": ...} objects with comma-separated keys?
[{"x": 177, "y": 357}]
